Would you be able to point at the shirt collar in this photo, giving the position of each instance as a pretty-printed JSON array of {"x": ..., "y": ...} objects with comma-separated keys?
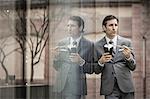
[
  {"x": 114, "y": 40},
  {"x": 72, "y": 40},
  {"x": 77, "y": 40}
]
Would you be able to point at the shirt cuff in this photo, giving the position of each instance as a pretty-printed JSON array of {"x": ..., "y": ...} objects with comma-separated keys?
[
  {"x": 102, "y": 65},
  {"x": 82, "y": 62},
  {"x": 128, "y": 59}
]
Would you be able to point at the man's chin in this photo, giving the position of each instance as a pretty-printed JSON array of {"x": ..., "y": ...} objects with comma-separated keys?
[{"x": 114, "y": 34}]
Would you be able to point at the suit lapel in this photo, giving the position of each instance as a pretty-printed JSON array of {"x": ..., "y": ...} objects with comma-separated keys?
[
  {"x": 81, "y": 46},
  {"x": 119, "y": 54},
  {"x": 119, "y": 42}
]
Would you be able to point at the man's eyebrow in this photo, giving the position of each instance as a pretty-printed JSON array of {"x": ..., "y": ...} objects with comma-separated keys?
[{"x": 110, "y": 24}]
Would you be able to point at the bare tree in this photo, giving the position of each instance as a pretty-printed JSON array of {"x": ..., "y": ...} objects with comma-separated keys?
[
  {"x": 20, "y": 36},
  {"x": 4, "y": 40},
  {"x": 38, "y": 37},
  {"x": 41, "y": 35},
  {"x": 3, "y": 56}
]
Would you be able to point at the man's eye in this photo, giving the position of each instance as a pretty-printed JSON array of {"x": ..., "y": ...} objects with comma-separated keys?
[
  {"x": 113, "y": 25},
  {"x": 73, "y": 25}
]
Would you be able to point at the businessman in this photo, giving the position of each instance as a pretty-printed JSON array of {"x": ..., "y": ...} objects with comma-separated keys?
[
  {"x": 73, "y": 61},
  {"x": 115, "y": 61}
]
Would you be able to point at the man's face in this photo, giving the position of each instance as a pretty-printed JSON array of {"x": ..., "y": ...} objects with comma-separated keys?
[
  {"x": 73, "y": 28},
  {"x": 111, "y": 28}
]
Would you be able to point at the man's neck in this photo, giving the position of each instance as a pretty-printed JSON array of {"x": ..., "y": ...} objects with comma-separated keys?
[
  {"x": 111, "y": 37},
  {"x": 76, "y": 37}
]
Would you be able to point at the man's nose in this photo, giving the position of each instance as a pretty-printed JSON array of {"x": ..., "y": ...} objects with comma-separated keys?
[
  {"x": 114, "y": 27},
  {"x": 69, "y": 28}
]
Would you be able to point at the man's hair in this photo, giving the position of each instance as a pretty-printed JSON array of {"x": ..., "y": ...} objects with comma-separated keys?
[
  {"x": 79, "y": 20},
  {"x": 107, "y": 18}
]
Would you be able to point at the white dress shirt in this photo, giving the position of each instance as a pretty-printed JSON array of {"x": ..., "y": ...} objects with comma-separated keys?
[
  {"x": 82, "y": 61},
  {"x": 71, "y": 40},
  {"x": 114, "y": 40}
]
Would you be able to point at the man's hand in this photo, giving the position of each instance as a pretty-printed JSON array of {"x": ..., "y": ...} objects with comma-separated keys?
[
  {"x": 106, "y": 57},
  {"x": 58, "y": 49},
  {"x": 126, "y": 52},
  {"x": 55, "y": 51},
  {"x": 75, "y": 58}
]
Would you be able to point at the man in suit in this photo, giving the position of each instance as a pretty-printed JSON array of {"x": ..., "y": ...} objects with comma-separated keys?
[
  {"x": 115, "y": 65},
  {"x": 73, "y": 61}
]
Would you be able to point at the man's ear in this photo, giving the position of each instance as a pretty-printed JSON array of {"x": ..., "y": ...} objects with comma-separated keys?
[
  {"x": 104, "y": 28},
  {"x": 81, "y": 28}
]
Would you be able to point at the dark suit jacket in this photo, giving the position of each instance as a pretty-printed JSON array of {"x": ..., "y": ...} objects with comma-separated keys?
[
  {"x": 119, "y": 66},
  {"x": 71, "y": 77}
]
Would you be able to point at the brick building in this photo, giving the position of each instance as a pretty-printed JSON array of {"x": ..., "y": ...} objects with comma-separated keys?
[{"x": 134, "y": 24}]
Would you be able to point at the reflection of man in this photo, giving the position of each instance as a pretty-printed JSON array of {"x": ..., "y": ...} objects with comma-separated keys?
[
  {"x": 73, "y": 61},
  {"x": 116, "y": 78}
]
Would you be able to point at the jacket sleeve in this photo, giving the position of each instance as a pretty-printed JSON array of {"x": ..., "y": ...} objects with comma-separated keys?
[
  {"x": 88, "y": 57},
  {"x": 131, "y": 63},
  {"x": 88, "y": 68},
  {"x": 98, "y": 68}
]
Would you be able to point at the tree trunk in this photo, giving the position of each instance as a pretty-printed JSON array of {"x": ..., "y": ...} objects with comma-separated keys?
[
  {"x": 32, "y": 70},
  {"x": 6, "y": 72}
]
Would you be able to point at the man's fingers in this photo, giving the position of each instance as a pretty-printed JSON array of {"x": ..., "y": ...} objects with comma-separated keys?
[
  {"x": 105, "y": 54},
  {"x": 124, "y": 47}
]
